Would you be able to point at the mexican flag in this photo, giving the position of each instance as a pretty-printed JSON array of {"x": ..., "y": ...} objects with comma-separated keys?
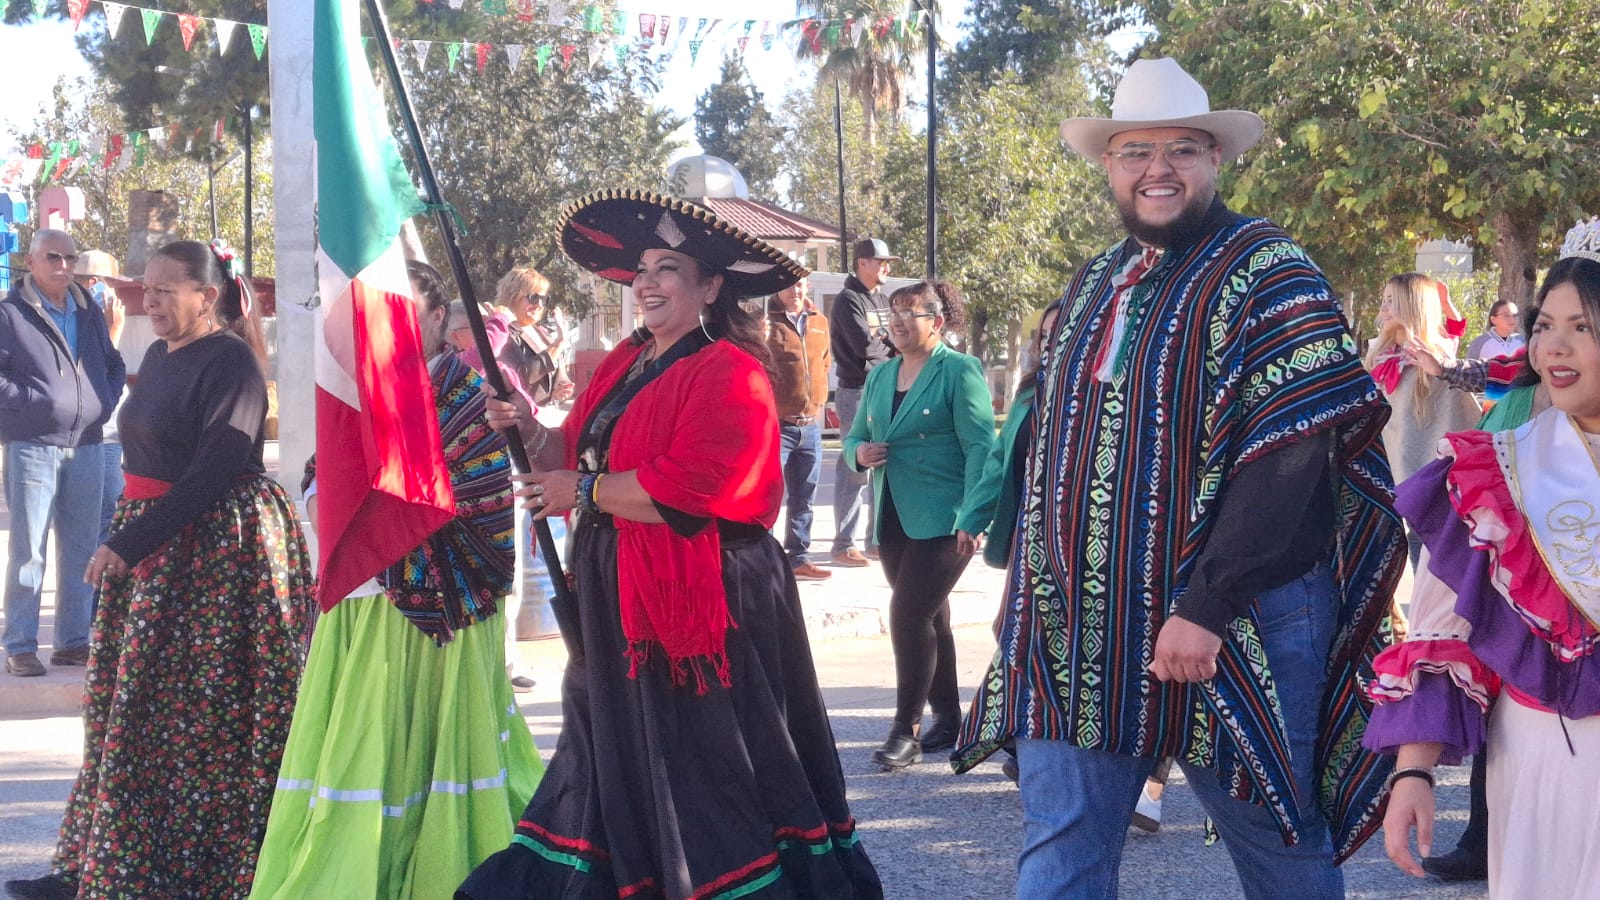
[{"x": 382, "y": 485}]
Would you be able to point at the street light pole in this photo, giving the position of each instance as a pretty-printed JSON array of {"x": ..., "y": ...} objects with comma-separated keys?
[
  {"x": 933, "y": 149},
  {"x": 838, "y": 140},
  {"x": 249, "y": 183},
  {"x": 211, "y": 190}
]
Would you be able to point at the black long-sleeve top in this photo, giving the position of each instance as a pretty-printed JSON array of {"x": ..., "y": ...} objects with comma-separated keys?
[
  {"x": 194, "y": 419},
  {"x": 1275, "y": 521},
  {"x": 858, "y": 330}
]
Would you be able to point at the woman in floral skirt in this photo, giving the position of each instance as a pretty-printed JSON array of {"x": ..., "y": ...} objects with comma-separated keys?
[{"x": 205, "y": 600}]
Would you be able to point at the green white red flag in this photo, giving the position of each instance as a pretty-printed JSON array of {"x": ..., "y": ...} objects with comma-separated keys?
[{"x": 382, "y": 485}]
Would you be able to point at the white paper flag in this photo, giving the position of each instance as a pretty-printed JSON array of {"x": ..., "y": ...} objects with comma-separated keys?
[
  {"x": 513, "y": 55},
  {"x": 422, "y": 48},
  {"x": 225, "y": 30},
  {"x": 558, "y": 12},
  {"x": 114, "y": 13}
]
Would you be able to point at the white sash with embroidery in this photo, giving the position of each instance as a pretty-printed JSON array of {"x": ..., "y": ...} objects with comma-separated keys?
[{"x": 1556, "y": 486}]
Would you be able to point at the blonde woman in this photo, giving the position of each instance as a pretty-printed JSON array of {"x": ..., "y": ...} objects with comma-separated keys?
[
  {"x": 534, "y": 350},
  {"x": 1410, "y": 322}
]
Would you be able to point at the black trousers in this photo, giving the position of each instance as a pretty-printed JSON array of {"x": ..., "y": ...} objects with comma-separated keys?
[{"x": 921, "y": 573}]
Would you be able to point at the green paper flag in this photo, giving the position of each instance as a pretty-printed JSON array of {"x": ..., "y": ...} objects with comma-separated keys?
[
  {"x": 622, "y": 53},
  {"x": 40, "y": 7},
  {"x": 152, "y": 18},
  {"x": 494, "y": 7},
  {"x": 453, "y": 53},
  {"x": 593, "y": 18},
  {"x": 619, "y": 20},
  {"x": 4, "y": 5},
  {"x": 258, "y": 39},
  {"x": 542, "y": 56},
  {"x": 832, "y": 34},
  {"x": 694, "y": 51}
]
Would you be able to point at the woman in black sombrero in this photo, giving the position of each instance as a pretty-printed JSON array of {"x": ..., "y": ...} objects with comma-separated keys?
[{"x": 695, "y": 757}]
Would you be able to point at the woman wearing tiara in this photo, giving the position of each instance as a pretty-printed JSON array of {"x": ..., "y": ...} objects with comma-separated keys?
[{"x": 1506, "y": 603}]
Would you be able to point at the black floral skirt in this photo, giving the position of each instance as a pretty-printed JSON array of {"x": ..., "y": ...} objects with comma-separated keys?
[{"x": 196, "y": 659}]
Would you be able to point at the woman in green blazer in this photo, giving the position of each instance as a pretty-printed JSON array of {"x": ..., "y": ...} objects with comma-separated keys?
[{"x": 924, "y": 429}]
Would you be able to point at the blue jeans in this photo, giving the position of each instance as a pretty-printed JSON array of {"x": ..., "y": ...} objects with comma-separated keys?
[
  {"x": 50, "y": 487},
  {"x": 847, "y": 482},
  {"x": 800, "y": 450},
  {"x": 1077, "y": 804},
  {"x": 111, "y": 485}
]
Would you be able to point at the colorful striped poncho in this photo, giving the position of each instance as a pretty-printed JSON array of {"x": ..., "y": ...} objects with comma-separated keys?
[
  {"x": 1237, "y": 350},
  {"x": 456, "y": 577}
]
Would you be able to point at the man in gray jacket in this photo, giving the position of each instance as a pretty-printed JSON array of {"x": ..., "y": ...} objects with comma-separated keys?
[{"x": 60, "y": 376}]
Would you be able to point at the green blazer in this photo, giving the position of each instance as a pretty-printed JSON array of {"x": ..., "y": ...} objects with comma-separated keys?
[
  {"x": 938, "y": 442},
  {"x": 992, "y": 507}
]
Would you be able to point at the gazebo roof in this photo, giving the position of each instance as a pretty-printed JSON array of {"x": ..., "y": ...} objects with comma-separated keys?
[{"x": 769, "y": 221}]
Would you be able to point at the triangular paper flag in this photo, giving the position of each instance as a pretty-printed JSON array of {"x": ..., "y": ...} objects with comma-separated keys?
[
  {"x": 700, "y": 27},
  {"x": 744, "y": 43},
  {"x": 597, "y": 52},
  {"x": 766, "y": 41},
  {"x": 858, "y": 27},
  {"x": 647, "y": 26},
  {"x": 186, "y": 27},
  {"x": 75, "y": 8},
  {"x": 422, "y": 48},
  {"x": 494, "y": 7},
  {"x": 525, "y": 10},
  {"x": 593, "y": 18},
  {"x": 619, "y": 22},
  {"x": 558, "y": 12},
  {"x": 225, "y": 29},
  {"x": 40, "y": 7},
  {"x": 542, "y": 56},
  {"x": 664, "y": 27},
  {"x": 258, "y": 39},
  {"x": 566, "y": 55},
  {"x": 452, "y": 52},
  {"x": 513, "y": 55},
  {"x": 152, "y": 18},
  {"x": 457, "y": 4},
  {"x": 622, "y": 54},
  {"x": 112, "y": 16},
  {"x": 483, "y": 55},
  {"x": 157, "y": 136},
  {"x": 694, "y": 51}
]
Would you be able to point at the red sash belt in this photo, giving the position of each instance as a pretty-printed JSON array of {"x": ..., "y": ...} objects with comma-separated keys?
[{"x": 138, "y": 487}]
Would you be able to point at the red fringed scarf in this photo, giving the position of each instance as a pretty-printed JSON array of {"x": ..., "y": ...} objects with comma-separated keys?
[{"x": 702, "y": 438}]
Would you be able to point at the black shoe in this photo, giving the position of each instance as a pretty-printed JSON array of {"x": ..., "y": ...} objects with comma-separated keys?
[
  {"x": 941, "y": 735},
  {"x": 1457, "y": 865},
  {"x": 1008, "y": 767},
  {"x": 900, "y": 750},
  {"x": 50, "y": 887}
]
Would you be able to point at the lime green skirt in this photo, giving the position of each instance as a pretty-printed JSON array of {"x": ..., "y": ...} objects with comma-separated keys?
[{"x": 407, "y": 763}]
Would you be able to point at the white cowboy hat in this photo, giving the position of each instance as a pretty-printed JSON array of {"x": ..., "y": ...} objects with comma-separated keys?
[{"x": 1158, "y": 93}]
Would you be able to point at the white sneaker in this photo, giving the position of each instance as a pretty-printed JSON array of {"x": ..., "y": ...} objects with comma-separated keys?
[{"x": 1147, "y": 815}]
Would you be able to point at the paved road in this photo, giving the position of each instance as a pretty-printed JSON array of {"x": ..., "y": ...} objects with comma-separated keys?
[{"x": 931, "y": 833}]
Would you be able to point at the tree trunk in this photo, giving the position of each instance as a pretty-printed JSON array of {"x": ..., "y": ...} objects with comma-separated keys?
[
  {"x": 1515, "y": 251},
  {"x": 978, "y": 340},
  {"x": 1014, "y": 339}
]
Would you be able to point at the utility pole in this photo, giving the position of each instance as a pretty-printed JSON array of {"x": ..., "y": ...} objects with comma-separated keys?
[
  {"x": 933, "y": 148},
  {"x": 838, "y": 138}
]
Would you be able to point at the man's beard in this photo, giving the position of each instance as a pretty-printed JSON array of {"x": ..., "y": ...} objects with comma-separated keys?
[{"x": 1187, "y": 224}]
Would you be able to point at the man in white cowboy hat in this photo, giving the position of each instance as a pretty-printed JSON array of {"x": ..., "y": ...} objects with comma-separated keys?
[{"x": 1206, "y": 552}]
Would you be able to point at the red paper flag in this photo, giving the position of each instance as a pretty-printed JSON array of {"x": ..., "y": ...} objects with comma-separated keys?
[
  {"x": 113, "y": 151},
  {"x": 483, "y": 55},
  {"x": 566, "y": 55},
  {"x": 186, "y": 27},
  {"x": 77, "y": 9}
]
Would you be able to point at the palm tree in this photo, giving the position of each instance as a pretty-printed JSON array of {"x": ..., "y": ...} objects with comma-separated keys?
[{"x": 873, "y": 58}]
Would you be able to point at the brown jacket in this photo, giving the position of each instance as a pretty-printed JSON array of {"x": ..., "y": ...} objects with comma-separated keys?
[{"x": 799, "y": 365}]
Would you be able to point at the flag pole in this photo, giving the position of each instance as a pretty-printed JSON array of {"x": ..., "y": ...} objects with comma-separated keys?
[{"x": 458, "y": 267}]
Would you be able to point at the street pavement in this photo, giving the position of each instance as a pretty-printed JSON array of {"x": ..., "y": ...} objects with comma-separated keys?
[{"x": 930, "y": 832}]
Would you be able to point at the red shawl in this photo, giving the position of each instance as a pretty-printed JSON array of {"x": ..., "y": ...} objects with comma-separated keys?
[{"x": 702, "y": 438}]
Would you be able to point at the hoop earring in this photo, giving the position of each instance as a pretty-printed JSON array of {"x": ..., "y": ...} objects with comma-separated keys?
[{"x": 701, "y": 315}]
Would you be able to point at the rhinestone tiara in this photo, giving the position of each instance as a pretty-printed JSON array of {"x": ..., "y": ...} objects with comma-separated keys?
[{"x": 1583, "y": 240}]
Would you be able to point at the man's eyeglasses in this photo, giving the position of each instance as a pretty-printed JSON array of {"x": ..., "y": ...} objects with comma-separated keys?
[
  {"x": 1504, "y": 315},
  {"x": 1182, "y": 154},
  {"x": 55, "y": 257},
  {"x": 906, "y": 315}
]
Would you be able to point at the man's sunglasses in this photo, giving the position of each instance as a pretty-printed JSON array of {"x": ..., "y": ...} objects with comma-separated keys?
[{"x": 55, "y": 257}]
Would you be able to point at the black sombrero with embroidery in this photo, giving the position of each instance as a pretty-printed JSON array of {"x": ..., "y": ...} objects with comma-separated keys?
[{"x": 607, "y": 231}]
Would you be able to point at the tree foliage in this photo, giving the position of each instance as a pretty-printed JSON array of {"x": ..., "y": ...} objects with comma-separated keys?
[
  {"x": 512, "y": 149},
  {"x": 79, "y": 110},
  {"x": 1393, "y": 120},
  {"x": 811, "y": 160},
  {"x": 1016, "y": 212},
  {"x": 732, "y": 121},
  {"x": 160, "y": 79},
  {"x": 872, "y": 61},
  {"x": 1032, "y": 40}
]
